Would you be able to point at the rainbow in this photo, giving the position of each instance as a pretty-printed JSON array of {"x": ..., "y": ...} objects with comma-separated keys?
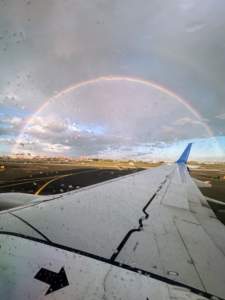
[{"x": 117, "y": 78}]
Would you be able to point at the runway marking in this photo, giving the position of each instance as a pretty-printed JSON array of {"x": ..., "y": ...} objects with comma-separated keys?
[
  {"x": 44, "y": 178},
  {"x": 30, "y": 181},
  {"x": 38, "y": 191},
  {"x": 40, "y": 179}
]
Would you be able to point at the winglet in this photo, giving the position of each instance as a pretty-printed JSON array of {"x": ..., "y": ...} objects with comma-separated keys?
[{"x": 184, "y": 156}]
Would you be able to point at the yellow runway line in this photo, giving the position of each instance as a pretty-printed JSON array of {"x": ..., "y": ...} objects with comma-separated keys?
[
  {"x": 59, "y": 178},
  {"x": 38, "y": 191},
  {"x": 38, "y": 179},
  {"x": 30, "y": 181}
]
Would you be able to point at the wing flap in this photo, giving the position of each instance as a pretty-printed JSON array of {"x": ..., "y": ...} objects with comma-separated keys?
[
  {"x": 215, "y": 229},
  {"x": 176, "y": 193},
  {"x": 160, "y": 250},
  {"x": 206, "y": 256},
  {"x": 172, "y": 199}
]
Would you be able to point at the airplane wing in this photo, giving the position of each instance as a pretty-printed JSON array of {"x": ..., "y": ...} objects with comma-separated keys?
[{"x": 149, "y": 235}]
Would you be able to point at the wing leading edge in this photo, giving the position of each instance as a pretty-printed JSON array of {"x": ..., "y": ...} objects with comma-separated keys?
[{"x": 155, "y": 223}]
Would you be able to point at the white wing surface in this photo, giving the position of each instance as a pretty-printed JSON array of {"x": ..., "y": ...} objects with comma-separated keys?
[{"x": 149, "y": 235}]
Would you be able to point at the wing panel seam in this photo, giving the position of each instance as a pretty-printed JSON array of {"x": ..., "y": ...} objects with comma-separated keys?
[
  {"x": 31, "y": 227},
  {"x": 189, "y": 255}
]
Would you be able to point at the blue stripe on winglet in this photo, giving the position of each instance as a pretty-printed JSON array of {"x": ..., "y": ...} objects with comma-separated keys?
[{"x": 184, "y": 156}]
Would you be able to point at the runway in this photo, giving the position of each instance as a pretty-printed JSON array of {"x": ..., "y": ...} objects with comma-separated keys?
[
  {"x": 217, "y": 191},
  {"x": 55, "y": 179},
  {"x": 50, "y": 179}
]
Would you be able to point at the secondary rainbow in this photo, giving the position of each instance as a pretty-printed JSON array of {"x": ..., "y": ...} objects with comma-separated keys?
[{"x": 117, "y": 78}]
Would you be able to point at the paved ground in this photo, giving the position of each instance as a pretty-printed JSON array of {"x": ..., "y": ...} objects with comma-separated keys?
[
  {"x": 217, "y": 191},
  {"x": 48, "y": 179},
  {"x": 54, "y": 179}
]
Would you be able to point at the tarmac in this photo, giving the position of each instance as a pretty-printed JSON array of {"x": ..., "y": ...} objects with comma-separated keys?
[
  {"x": 217, "y": 191},
  {"x": 46, "y": 179}
]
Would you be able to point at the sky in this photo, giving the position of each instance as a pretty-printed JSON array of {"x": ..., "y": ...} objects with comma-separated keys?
[{"x": 113, "y": 79}]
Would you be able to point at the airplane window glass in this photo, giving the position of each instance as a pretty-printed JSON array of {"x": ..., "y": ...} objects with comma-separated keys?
[{"x": 92, "y": 91}]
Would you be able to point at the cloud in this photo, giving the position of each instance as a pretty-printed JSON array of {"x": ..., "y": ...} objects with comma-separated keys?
[
  {"x": 11, "y": 126},
  {"x": 204, "y": 120},
  {"x": 7, "y": 141},
  {"x": 44, "y": 124},
  {"x": 96, "y": 40},
  {"x": 222, "y": 116},
  {"x": 16, "y": 121},
  {"x": 9, "y": 130},
  {"x": 167, "y": 129},
  {"x": 35, "y": 130},
  {"x": 159, "y": 145},
  {"x": 72, "y": 127},
  {"x": 21, "y": 142},
  {"x": 195, "y": 26},
  {"x": 187, "y": 121},
  {"x": 57, "y": 148}
]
